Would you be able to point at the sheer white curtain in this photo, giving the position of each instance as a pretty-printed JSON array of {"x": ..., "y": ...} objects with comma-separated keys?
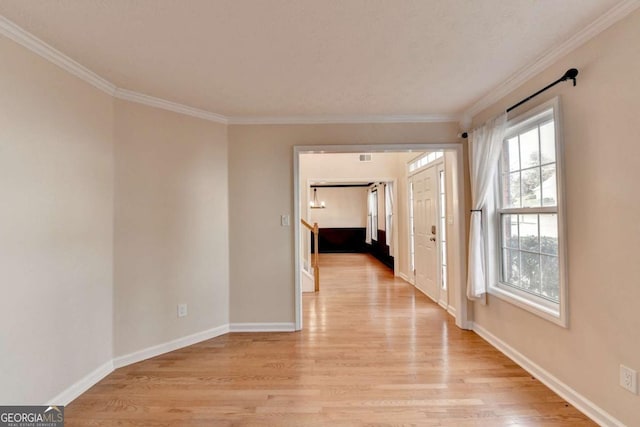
[
  {"x": 388, "y": 203},
  {"x": 367, "y": 237},
  {"x": 485, "y": 145}
]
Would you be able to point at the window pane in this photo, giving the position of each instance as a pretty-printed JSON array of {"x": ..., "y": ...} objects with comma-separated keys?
[
  {"x": 550, "y": 278},
  {"x": 548, "y": 142},
  {"x": 511, "y": 155},
  {"x": 549, "y": 186},
  {"x": 530, "y": 274},
  {"x": 531, "y": 188},
  {"x": 444, "y": 277},
  {"x": 529, "y": 240},
  {"x": 511, "y": 267},
  {"x": 511, "y": 190},
  {"x": 549, "y": 234},
  {"x": 510, "y": 231},
  {"x": 529, "y": 149}
]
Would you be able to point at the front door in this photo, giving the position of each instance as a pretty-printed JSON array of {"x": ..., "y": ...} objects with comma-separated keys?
[{"x": 425, "y": 190}]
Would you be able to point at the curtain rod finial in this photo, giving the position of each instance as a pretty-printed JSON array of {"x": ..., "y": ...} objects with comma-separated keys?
[{"x": 571, "y": 73}]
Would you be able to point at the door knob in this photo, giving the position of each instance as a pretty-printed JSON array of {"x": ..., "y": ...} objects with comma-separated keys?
[{"x": 433, "y": 239}]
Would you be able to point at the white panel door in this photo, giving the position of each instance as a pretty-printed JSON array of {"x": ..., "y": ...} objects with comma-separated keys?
[{"x": 425, "y": 221}]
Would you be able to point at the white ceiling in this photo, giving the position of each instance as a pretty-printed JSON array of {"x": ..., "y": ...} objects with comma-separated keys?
[{"x": 274, "y": 58}]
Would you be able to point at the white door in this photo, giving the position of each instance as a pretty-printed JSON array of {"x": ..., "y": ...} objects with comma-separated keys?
[{"x": 425, "y": 192}]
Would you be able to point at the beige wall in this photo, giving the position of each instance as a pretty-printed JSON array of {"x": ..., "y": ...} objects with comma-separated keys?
[
  {"x": 56, "y": 228},
  {"x": 346, "y": 207},
  {"x": 261, "y": 173},
  {"x": 602, "y": 153},
  {"x": 171, "y": 217}
]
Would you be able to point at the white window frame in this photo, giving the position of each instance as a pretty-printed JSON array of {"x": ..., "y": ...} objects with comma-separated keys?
[
  {"x": 423, "y": 161},
  {"x": 549, "y": 310},
  {"x": 373, "y": 214}
]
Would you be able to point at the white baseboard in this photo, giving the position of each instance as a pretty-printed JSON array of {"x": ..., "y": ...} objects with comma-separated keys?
[
  {"x": 404, "y": 277},
  {"x": 75, "y": 390},
  {"x": 159, "y": 349},
  {"x": 583, "y": 404},
  {"x": 451, "y": 310},
  {"x": 68, "y": 395},
  {"x": 262, "y": 327}
]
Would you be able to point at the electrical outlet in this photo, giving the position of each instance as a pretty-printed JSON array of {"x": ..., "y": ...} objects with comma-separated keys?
[
  {"x": 629, "y": 379},
  {"x": 182, "y": 310}
]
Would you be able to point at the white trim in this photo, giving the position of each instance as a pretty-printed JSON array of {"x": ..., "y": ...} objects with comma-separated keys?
[
  {"x": 525, "y": 73},
  {"x": 157, "y": 350},
  {"x": 583, "y": 404},
  {"x": 152, "y": 101},
  {"x": 39, "y": 47},
  {"x": 84, "y": 384},
  {"x": 347, "y": 119},
  {"x": 404, "y": 277},
  {"x": 451, "y": 310},
  {"x": 262, "y": 327}
]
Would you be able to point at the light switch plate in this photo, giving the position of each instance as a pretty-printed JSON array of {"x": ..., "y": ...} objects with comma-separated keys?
[
  {"x": 284, "y": 220},
  {"x": 629, "y": 379},
  {"x": 182, "y": 310}
]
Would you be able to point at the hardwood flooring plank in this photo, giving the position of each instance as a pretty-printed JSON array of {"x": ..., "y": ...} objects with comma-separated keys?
[{"x": 374, "y": 351}]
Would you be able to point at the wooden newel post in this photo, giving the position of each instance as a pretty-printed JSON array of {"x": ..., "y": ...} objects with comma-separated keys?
[{"x": 316, "y": 269}]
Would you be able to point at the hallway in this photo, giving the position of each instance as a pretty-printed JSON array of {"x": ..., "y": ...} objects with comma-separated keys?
[{"x": 373, "y": 350}]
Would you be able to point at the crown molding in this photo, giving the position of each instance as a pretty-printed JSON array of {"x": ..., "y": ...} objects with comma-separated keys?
[
  {"x": 31, "y": 42},
  {"x": 34, "y": 44},
  {"x": 152, "y": 101},
  {"x": 46, "y": 51},
  {"x": 605, "y": 21},
  {"x": 336, "y": 119}
]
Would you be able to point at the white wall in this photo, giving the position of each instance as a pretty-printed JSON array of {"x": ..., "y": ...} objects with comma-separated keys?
[
  {"x": 346, "y": 207},
  {"x": 56, "y": 227},
  {"x": 602, "y": 153},
  {"x": 171, "y": 218}
]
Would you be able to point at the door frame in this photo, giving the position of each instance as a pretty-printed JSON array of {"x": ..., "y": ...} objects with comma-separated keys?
[
  {"x": 442, "y": 169},
  {"x": 462, "y": 318}
]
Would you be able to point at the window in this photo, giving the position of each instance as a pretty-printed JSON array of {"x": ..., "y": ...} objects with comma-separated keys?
[
  {"x": 412, "y": 247},
  {"x": 528, "y": 216},
  {"x": 424, "y": 160},
  {"x": 373, "y": 214},
  {"x": 443, "y": 228}
]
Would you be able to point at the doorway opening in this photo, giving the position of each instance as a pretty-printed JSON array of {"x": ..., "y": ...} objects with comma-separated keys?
[{"x": 448, "y": 246}]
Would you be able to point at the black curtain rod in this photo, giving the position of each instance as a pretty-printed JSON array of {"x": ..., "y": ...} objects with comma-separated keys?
[
  {"x": 571, "y": 74},
  {"x": 339, "y": 185}
]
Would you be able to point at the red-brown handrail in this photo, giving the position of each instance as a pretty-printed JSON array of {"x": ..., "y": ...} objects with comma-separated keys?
[{"x": 316, "y": 268}]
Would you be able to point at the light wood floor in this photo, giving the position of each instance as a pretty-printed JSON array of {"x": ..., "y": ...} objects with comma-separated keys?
[{"x": 373, "y": 351}]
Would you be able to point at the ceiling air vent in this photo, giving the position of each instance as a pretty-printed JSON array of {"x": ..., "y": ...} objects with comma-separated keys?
[{"x": 365, "y": 157}]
